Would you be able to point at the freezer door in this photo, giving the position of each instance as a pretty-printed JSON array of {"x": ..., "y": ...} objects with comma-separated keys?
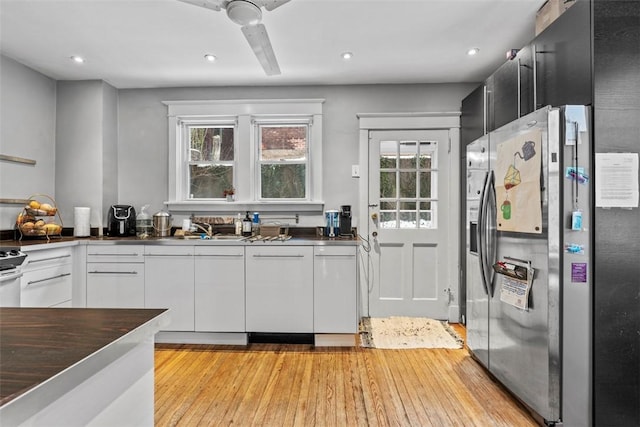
[
  {"x": 477, "y": 311},
  {"x": 524, "y": 344}
]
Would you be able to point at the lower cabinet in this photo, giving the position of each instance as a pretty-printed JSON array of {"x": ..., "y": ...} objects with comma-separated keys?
[
  {"x": 46, "y": 279},
  {"x": 219, "y": 289},
  {"x": 115, "y": 276},
  {"x": 169, "y": 283},
  {"x": 334, "y": 290},
  {"x": 279, "y": 289}
]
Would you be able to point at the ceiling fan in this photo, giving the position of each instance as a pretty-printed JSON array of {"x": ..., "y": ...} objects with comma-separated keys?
[{"x": 248, "y": 14}]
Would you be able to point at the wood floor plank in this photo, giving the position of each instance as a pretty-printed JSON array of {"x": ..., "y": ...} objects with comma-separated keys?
[{"x": 300, "y": 385}]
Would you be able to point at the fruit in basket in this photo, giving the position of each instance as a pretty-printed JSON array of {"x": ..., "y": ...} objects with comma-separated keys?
[
  {"x": 24, "y": 217},
  {"x": 34, "y": 204},
  {"x": 52, "y": 228},
  {"x": 39, "y": 223},
  {"x": 46, "y": 207},
  {"x": 27, "y": 226}
]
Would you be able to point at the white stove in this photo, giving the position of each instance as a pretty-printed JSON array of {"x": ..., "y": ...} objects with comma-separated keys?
[{"x": 11, "y": 258}]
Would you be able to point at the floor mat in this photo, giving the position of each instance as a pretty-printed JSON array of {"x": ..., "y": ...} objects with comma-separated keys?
[{"x": 407, "y": 332}]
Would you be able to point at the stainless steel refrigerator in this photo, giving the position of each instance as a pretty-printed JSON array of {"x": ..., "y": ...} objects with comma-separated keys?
[{"x": 529, "y": 260}]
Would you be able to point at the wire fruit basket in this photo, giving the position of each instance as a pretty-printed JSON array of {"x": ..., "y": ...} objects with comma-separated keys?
[{"x": 39, "y": 218}]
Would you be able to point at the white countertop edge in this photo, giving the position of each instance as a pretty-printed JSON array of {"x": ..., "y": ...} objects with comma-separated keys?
[{"x": 39, "y": 397}]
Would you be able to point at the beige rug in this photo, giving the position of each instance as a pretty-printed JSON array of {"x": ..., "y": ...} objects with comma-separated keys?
[{"x": 407, "y": 332}]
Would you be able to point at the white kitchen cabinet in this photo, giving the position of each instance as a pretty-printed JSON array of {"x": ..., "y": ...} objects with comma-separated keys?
[
  {"x": 219, "y": 289},
  {"x": 115, "y": 276},
  {"x": 279, "y": 289},
  {"x": 47, "y": 278},
  {"x": 335, "y": 290},
  {"x": 169, "y": 283}
]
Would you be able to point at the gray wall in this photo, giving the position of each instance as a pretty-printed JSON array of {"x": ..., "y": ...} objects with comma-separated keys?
[
  {"x": 27, "y": 129},
  {"x": 143, "y": 133},
  {"x": 109, "y": 146}
]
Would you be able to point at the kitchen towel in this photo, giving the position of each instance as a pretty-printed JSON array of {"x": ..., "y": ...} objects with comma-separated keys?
[{"x": 81, "y": 225}]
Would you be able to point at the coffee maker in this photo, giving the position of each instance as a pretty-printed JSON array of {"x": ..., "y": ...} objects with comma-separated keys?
[
  {"x": 345, "y": 220},
  {"x": 121, "y": 221}
]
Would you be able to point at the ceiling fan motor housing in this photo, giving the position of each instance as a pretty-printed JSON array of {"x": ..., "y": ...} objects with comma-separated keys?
[{"x": 244, "y": 12}]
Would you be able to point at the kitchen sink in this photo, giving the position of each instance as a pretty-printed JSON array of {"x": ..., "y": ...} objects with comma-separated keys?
[{"x": 227, "y": 237}]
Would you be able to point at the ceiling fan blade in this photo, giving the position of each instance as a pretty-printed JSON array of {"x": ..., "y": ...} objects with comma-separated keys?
[
  {"x": 209, "y": 4},
  {"x": 272, "y": 4},
  {"x": 258, "y": 39}
]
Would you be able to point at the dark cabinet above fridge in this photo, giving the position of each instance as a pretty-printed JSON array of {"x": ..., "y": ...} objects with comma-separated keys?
[{"x": 554, "y": 69}]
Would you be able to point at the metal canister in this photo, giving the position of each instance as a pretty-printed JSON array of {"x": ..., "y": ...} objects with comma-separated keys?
[{"x": 162, "y": 224}]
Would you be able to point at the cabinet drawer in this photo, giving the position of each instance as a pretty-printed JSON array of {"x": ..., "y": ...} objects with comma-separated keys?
[
  {"x": 115, "y": 253},
  {"x": 334, "y": 251},
  {"x": 220, "y": 251},
  {"x": 46, "y": 258},
  {"x": 111, "y": 285},
  {"x": 152, "y": 250},
  {"x": 46, "y": 287}
]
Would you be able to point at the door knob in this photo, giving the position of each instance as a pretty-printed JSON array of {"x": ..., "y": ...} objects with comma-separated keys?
[{"x": 374, "y": 216}]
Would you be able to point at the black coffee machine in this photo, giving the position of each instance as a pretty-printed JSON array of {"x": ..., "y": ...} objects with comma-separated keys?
[
  {"x": 345, "y": 220},
  {"x": 121, "y": 221}
]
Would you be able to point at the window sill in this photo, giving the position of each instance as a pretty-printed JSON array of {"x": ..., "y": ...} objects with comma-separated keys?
[{"x": 242, "y": 206}]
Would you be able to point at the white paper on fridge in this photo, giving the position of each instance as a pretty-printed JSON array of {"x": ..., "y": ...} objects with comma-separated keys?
[
  {"x": 517, "y": 175},
  {"x": 617, "y": 180}
]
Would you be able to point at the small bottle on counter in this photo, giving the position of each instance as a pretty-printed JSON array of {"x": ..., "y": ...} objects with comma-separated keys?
[
  {"x": 238, "y": 225},
  {"x": 255, "y": 225},
  {"x": 246, "y": 225}
]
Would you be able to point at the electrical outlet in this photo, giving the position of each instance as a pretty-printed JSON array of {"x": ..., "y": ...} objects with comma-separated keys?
[{"x": 355, "y": 171}]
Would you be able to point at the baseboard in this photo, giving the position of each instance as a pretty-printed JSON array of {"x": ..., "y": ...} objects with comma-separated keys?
[{"x": 222, "y": 338}]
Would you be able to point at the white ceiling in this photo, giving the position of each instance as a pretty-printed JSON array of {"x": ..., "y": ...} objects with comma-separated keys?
[{"x": 161, "y": 43}]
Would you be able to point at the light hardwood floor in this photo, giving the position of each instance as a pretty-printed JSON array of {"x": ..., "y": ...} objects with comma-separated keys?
[{"x": 299, "y": 385}]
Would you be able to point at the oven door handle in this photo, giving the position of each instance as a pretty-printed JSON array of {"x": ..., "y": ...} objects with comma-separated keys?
[{"x": 10, "y": 276}]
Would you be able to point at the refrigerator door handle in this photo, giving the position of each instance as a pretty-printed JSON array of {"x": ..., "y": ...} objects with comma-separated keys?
[
  {"x": 492, "y": 233},
  {"x": 481, "y": 235}
]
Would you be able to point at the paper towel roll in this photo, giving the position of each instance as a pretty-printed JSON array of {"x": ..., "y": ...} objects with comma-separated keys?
[{"x": 81, "y": 225}]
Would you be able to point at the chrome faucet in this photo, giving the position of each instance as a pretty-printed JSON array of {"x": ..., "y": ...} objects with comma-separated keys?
[{"x": 208, "y": 231}]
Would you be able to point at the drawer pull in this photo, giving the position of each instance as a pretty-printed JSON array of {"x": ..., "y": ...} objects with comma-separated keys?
[
  {"x": 106, "y": 254},
  {"x": 165, "y": 255},
  {"x": 32, "y": 282},
  {"x": 335, "y": 256},
  {"x": 113, "y": 272},
  {"x": 49, "y": 259},
  {"x": 221, "y": 255},
  {"x": 278, "y": 256}
]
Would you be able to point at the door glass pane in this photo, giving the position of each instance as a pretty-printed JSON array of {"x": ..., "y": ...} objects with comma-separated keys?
[
  {"x": 426, "y": 184},
  {"x": 408, "y": 206},
  {"x": 388, "y": 206},
  {"x": 407, "y": 219},
  {"x": 426, "y": 215},
  {"x": 283, "y": 181},
  {"x": 387, "y": 185},
  {"x": 388, "y": 154},
  {"x": 387, "y": 219},
  {"x": 209, "y": 182},
  {"x": 408, "y": 154},
  {"x": 211, "y": 144},
  {"x": 407, "y": 184}
]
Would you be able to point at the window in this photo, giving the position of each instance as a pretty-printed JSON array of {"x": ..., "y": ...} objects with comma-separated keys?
[
  {"x": 210, "y": 161},
  {"x": 283, "y": 161},
  {"x": 408, "y": 184},
  {"x": 268, "y": 151}
]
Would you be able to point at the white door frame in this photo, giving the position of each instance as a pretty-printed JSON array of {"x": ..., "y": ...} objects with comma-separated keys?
[{"x": 407, "y": 121}]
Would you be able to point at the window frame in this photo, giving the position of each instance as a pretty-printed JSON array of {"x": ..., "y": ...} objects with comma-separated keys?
[{"x": 245, "y": 114}]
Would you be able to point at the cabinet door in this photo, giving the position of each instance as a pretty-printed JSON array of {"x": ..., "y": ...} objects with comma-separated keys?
[
  {"x": 115, "y": 285},
  {"x": 335, "y": 290},
  {"x": 562, "y": 54},
  {"x": 169, "y": 284},
  {"x": 279, "y": 286},
  {"x": 46, "y": 287},
  {"x": 219, "y": 289},
  {"x": 504, "y": 94},
  {"x": 473, "y": 119}
]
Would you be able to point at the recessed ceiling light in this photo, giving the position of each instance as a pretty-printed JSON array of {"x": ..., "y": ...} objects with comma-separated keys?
[
  {"x": 473, "y": 51},
  {"x": 77, "y": 59},
  {"x": 210, "y": 58},
  {"x": 347, "y": 55}
]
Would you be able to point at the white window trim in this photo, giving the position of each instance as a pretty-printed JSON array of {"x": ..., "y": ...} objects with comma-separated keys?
[{"x": 244, "y": 112}]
